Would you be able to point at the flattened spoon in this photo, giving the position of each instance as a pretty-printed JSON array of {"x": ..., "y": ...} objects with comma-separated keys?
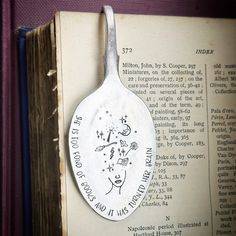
[{"x": 112, "y": 142}]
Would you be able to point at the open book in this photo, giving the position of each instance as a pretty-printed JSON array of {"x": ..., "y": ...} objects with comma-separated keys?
[{"x": 184, "y": 69}]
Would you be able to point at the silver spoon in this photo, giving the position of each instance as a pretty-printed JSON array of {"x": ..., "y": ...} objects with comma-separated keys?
[{"x": 112, "y": 142}]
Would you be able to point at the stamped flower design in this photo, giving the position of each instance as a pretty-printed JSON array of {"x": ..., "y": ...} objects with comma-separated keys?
[{"x": 133, "y": 146}]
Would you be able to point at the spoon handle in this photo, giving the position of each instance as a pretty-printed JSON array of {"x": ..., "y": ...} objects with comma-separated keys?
[{"x": 111, "y": 57}]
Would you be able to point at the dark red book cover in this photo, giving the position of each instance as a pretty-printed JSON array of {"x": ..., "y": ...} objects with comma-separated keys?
[
  {"x": 31, "y": 13},
  {"x": 11, "y": 169}
]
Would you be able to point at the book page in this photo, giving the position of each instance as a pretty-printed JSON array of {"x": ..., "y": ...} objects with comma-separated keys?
[{"x": 184, "y": 69}]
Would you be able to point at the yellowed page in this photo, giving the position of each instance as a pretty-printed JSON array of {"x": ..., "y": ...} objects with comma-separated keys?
[{"x": 185, "y": 71}]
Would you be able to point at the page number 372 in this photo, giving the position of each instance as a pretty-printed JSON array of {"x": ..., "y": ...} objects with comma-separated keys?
[{"x": 127, "y": 50}]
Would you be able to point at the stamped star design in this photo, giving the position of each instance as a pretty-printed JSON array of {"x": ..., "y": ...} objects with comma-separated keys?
[
  {"x": 101, "y": 134},
  {"x": 123, "y": 151},
  {"x": 122, "y": 120},
  {"x": 109, "y": 168}
]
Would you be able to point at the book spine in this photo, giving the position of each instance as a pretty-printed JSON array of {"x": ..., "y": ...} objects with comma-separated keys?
[{"x": 25, "y": 130}]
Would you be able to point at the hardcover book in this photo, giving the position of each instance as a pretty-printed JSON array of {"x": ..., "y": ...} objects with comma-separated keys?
[{"x": 184, "y": 69}]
